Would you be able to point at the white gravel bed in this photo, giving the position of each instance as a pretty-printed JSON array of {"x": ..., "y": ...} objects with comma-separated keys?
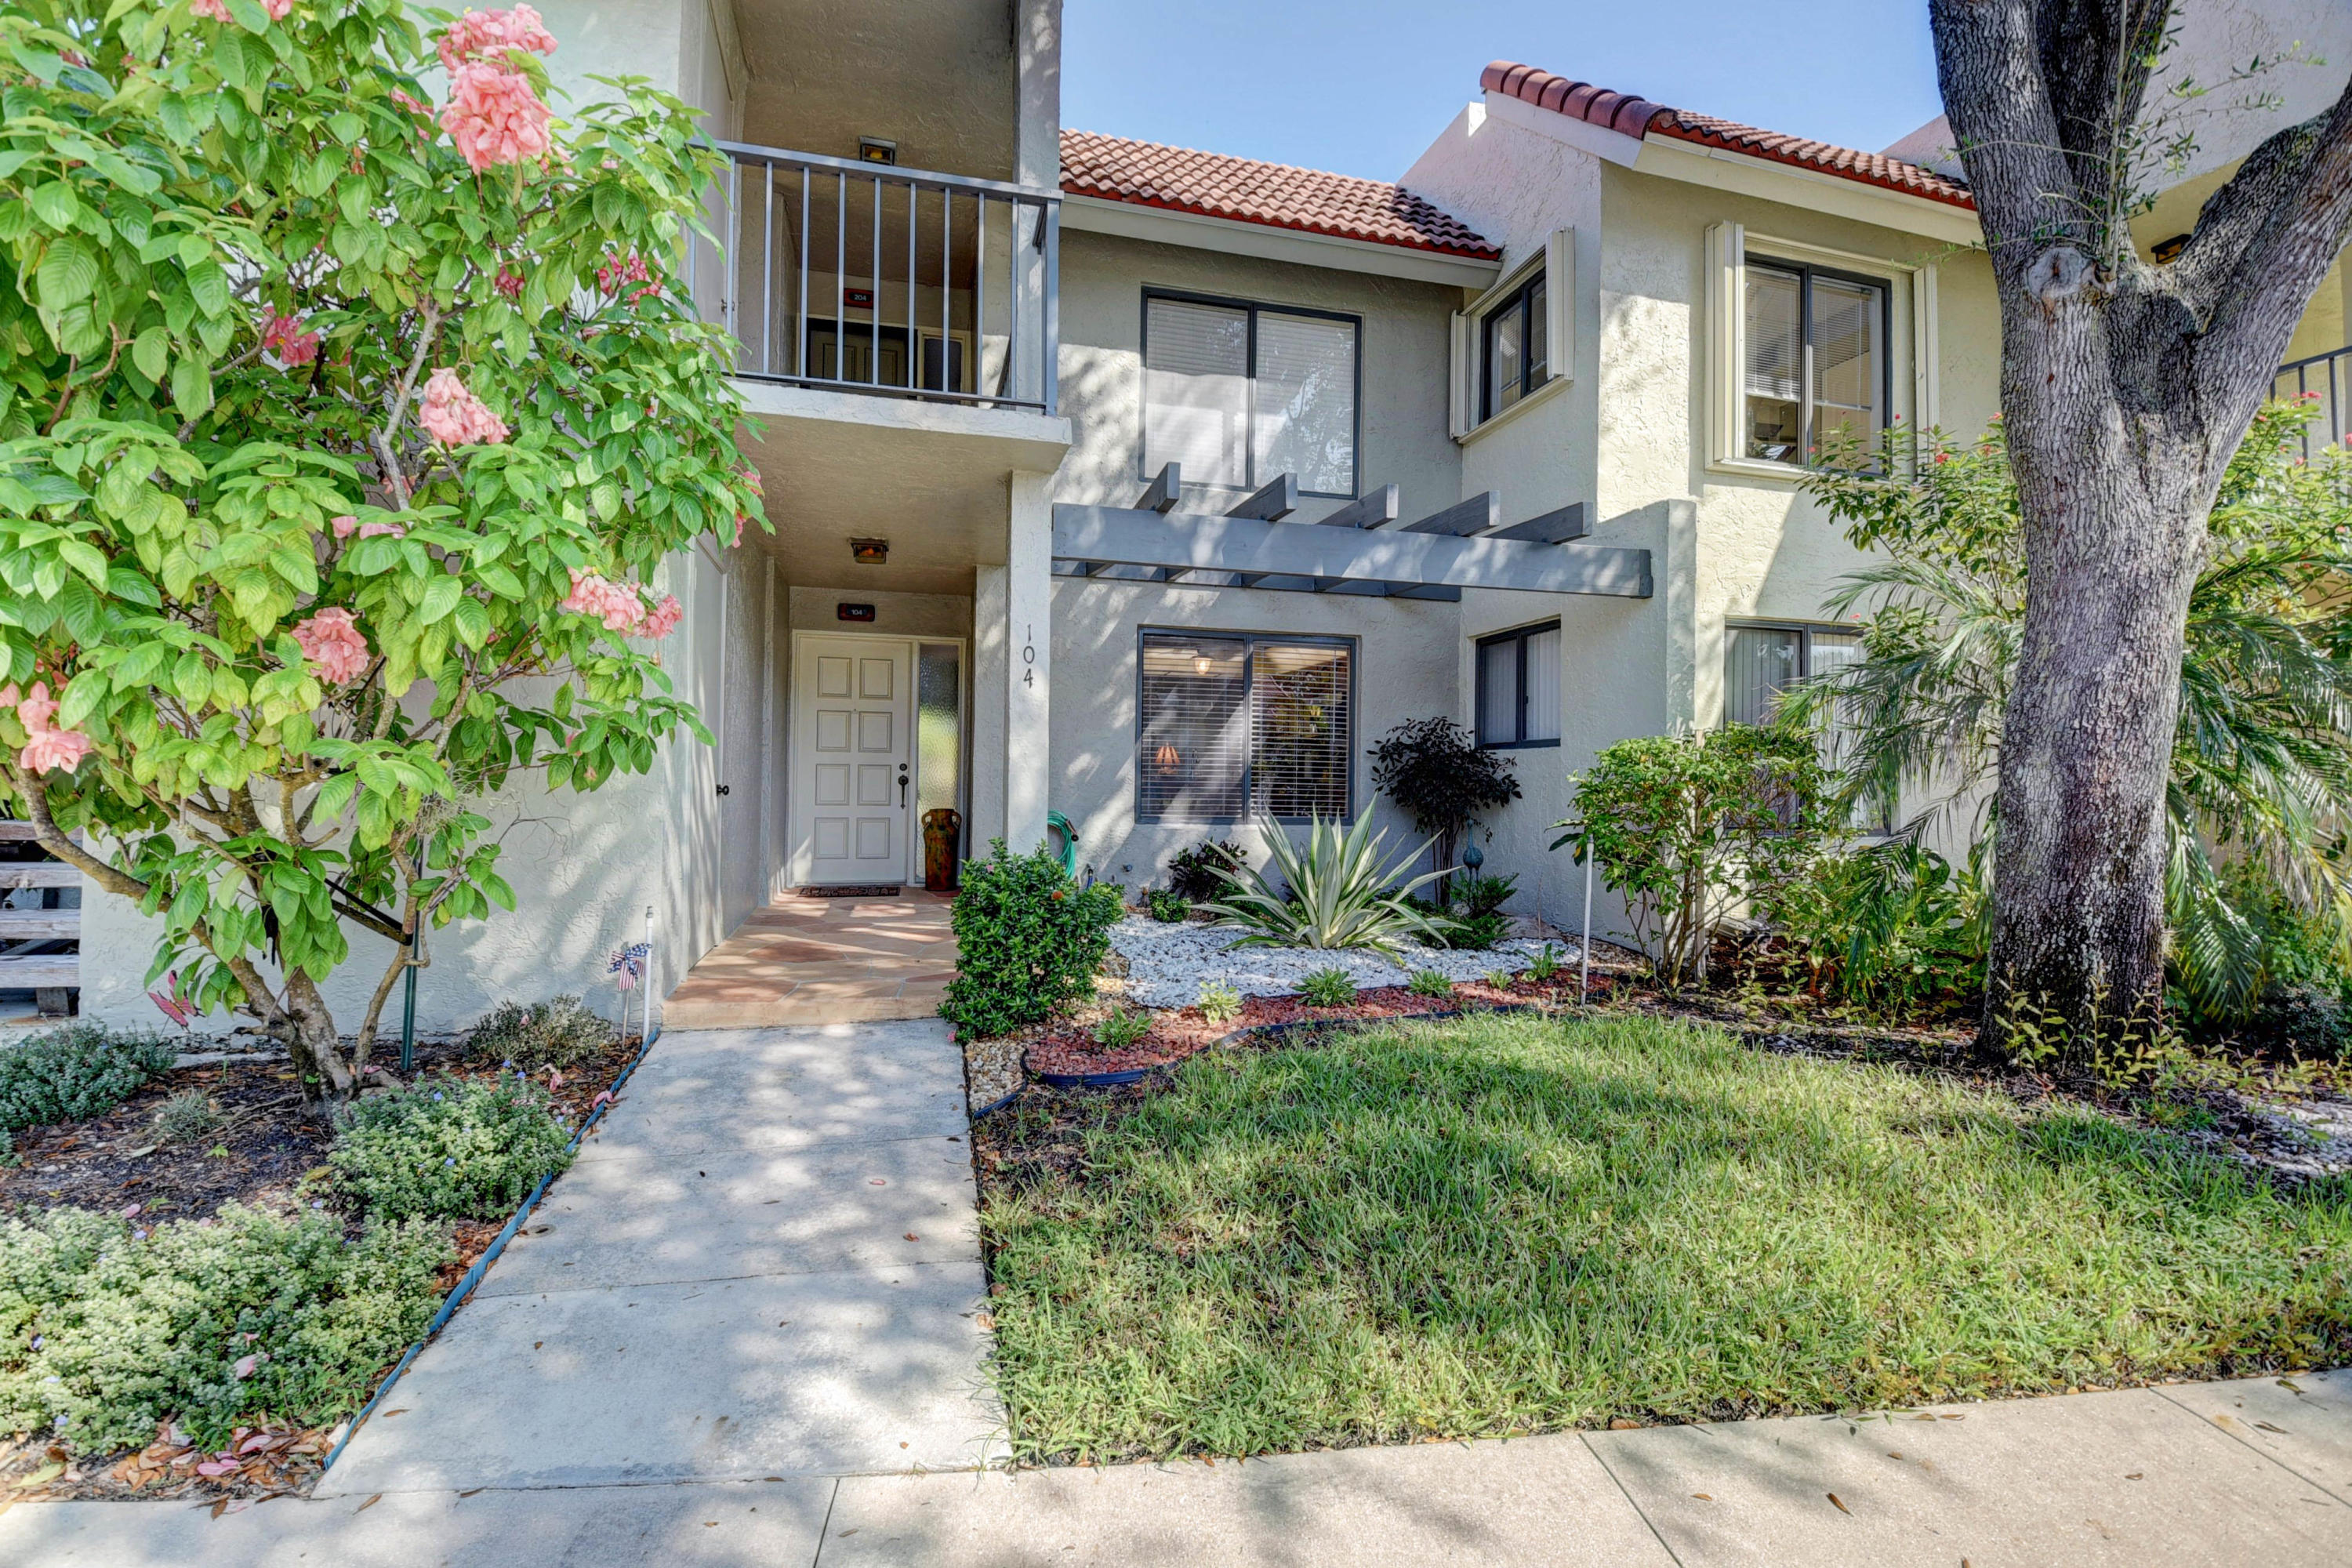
[{"x": 1167, "y": 964}]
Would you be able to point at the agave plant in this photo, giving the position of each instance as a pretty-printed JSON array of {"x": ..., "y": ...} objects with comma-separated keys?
[{"x": 1335, "y": 893}]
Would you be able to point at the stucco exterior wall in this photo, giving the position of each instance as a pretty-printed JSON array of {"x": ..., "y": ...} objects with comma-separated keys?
[{"x": 1402, "y": 341}]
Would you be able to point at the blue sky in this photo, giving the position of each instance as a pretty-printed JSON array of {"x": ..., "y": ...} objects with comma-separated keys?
[{"x": 1362, "y": 85}]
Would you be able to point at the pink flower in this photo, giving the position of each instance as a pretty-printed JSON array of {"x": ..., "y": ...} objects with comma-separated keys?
[
  {"x": 616, "y": 603},
  {"x": 510, "y": 283},
  {"x": 38, "y": 707},
  {"x": 615, "y": 270},
  {"x": 662, "y": 618},
  {"x": 54, "y": 749},
  {"x": 344, "y": 526},
  {"x": 217, "y": 10},
  {"x": 331, "y": 643},
  {"x": 414, "y": 105},
  {"x": 370, "y": 530},
  {"x": 454, "y": 415},
  {"x": 245, "y": 1365},
  {"x": 494, "y": 117},
  {"x": 477, "y": 34},
  {"x": 283, "y": 336}
]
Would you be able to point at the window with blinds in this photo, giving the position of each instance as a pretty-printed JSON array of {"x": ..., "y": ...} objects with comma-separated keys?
[
  {"x": 1518, "y": 688},
  {"x": 1761, "y": 662},
  {"x": 1817, "y": 363},
  {"x": 1239, "y": 393},
  {"x": 1234, "y": 726}
]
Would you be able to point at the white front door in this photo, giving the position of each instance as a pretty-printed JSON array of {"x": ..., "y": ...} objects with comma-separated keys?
[{"x": 852, "y": 739}]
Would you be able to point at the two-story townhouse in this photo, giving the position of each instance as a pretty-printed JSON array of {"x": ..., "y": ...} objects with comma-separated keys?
[{"x": 1148, "y": 487}]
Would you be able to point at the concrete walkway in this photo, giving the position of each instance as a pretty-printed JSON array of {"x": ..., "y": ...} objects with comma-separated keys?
[
  {"x": 765, "y": 1264},
  {"x": 2194, "y": 1476},
  {"x": 822, "y": 961},
  {"x": 741, "y": 1332}
]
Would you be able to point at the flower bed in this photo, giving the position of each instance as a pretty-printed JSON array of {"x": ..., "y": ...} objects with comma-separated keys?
[{"x": 262, "y": 1172}]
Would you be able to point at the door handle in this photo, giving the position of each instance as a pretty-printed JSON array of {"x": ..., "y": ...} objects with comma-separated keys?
[{"x": 902, "y": 786}]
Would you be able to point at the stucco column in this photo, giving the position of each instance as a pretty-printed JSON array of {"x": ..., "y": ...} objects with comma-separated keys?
[
  {"x": 1028, "y": 644},
  {"x": 1037, "y": 151},
  {"x": 1012, "y": 614}
]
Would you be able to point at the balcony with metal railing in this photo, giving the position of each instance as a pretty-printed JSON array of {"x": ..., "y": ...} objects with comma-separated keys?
[
  {"x": 2327, "y": 379},
  {"x": 895, "y": 283}
]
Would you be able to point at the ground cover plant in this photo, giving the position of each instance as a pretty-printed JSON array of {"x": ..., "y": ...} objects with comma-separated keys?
[
  {"x": 1509, "y": 1223},
  {"x": 560, "y": 1033},
  {"x": 449, "y": 1148},
  {"x": 108, "y": 1331},
  {"x": 73, "y": 1071}
]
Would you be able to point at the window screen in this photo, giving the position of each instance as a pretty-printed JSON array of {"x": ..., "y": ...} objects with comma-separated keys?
[
  {"x": 1234, "y": 726},
  {"x": 1237, "y": 394},
  {"x": 1518, "y": 688},
  {"x": 1816, "y": 361}
]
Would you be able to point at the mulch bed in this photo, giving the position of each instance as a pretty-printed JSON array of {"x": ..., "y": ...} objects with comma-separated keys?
[{"x": 270, "y": 1155}]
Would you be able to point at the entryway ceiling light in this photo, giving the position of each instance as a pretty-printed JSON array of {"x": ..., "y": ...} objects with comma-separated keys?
[{"x": 869, "y": 551}]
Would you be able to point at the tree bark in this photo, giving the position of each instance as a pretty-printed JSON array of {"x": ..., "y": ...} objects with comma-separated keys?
[{"x": 2125, "y": 387}]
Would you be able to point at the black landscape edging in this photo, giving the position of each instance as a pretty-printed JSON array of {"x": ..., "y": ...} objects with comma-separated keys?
[{"x": 481, "y": 1265}]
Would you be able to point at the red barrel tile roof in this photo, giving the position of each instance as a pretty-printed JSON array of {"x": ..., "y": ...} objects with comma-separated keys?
[
  {"x": 1278, "y": 196},
  {"x": 1638, "y": 117}
]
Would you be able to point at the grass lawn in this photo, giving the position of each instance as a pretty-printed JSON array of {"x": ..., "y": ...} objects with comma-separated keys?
[{"x": 1508, "y": 1223}]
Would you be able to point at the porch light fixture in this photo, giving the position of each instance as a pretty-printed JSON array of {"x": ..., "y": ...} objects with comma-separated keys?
[
  {"x": 1200, "y": 662},
  {"x": 869, "y": 551},
  {"x": 876, "y": 150}
]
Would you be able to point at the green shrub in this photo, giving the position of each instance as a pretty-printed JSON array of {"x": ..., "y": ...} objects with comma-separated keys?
[
  {"x": 1483, "y": 895},
  {"x": 449, "y": 1148},
  {"x": 188, "y": 1117},
  {"x": 1480, "y": 932},
  {"x": 1219, "y": 1002},
  {"x": 1892, "y": 928},
  {"x": 1439, "y": 775},
  {"x": 1122, "y": 1027},
  {"x": 1194, "y": 874},
  {"x": 1028, "y": 943},
  {"x": 560, "y": 1033},
  {"x": 1328, "y": 988},
  {"x": 1165, "y": 905},
  {"x": 1336, "y": 892},
  {"x": 1429, "y": 983},
  {"x": 1690, "y": 826},
  {"x": 78, "y": 1071},
  {"x": 133, "y": 1331}
]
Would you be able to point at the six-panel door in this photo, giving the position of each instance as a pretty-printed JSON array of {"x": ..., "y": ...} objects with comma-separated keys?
[{"x": 853, "y": 758}]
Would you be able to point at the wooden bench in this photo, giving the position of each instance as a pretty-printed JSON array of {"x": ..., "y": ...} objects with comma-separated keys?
[{"x": 48, "y": 976}]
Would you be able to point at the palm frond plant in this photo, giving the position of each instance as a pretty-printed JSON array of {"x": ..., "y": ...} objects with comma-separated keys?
[
  {"x": 1335, "y": 893},
  {"x": 2262, "y": 767}
]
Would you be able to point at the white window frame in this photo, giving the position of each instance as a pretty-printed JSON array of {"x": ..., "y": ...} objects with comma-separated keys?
[
  {"x": 1911, "y": 305},
  {"x": 1555, "y": 261}
]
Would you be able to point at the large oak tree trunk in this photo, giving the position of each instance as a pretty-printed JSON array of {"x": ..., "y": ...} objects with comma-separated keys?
[{"x": 2125, "y": 385}]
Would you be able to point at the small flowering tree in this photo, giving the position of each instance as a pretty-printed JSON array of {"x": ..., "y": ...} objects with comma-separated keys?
[{"x": 339, "y": 440}]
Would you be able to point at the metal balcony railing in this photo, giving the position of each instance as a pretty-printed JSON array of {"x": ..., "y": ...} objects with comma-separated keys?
[
  {"x": 2329, "y": 377},
  {"x": 897, "y": 283}
]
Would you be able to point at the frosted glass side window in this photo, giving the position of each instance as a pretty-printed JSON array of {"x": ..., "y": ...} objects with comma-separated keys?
[{"x": 939, "y": 731}]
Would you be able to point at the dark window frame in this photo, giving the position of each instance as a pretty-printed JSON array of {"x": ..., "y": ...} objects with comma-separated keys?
[
  {"x": 1882, "y": 825},
  {"x": 1252, "y": 479},
  {"x": 1252, "y": 641},
  {"x": 1519, "y": 635},
  {"x": 1519, "y": 299},
  {"x": 1805, "y": 272}
]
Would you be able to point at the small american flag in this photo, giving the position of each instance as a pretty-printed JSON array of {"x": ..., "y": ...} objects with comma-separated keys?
[{"x": 628, "y": 965}]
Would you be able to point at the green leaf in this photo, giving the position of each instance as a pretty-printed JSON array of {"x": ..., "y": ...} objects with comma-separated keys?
[
  {"x": 441, "y": 596},
  {"x": 68, "y": 272},
  {"x": 209, "y": 284},
  {"x": 191, "y": 386},
  {"x": 55, "y": 204},
  {"x": 152, "y": 353},
  {"x": 84, "y": 558}
]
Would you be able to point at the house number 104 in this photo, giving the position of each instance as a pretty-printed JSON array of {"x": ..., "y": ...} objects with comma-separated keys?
[{"x": 1029, "y": 655}]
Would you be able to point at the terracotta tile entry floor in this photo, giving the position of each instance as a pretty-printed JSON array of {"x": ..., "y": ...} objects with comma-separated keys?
[{"x": 822, "y": 961}]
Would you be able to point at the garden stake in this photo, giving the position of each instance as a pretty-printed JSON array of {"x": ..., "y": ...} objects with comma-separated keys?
[{"x": 1584, "y": 939}]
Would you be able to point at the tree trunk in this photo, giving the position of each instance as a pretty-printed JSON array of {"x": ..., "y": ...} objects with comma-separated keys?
[
  {"x": 2079, "y": 918},
  {"x": 2125, "y": 385},
  {"x": 327, "y": 1079}
]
